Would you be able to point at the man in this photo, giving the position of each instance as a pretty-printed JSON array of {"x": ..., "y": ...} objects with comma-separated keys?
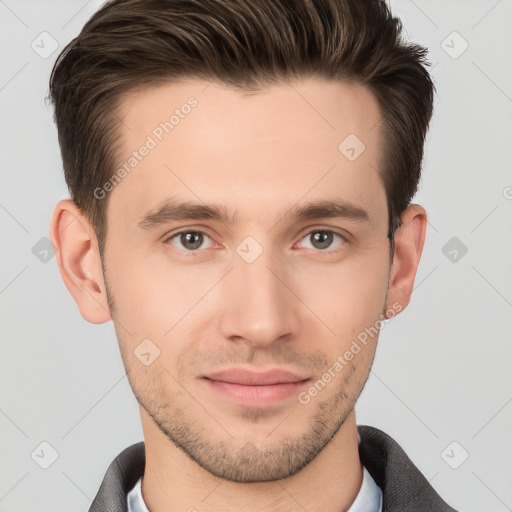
[{"x": 241, "y": 176}]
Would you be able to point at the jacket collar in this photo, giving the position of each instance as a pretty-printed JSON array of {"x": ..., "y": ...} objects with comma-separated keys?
[{"x": 403, "y": 486}]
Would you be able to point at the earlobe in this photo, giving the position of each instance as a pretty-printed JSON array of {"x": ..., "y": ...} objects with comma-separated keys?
[
  {"x": 77, "y": 254},
  {"x": 409, "y": 241}
]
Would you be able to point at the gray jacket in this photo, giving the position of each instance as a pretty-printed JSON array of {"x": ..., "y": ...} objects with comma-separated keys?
[{"x": 404, "y": 488}]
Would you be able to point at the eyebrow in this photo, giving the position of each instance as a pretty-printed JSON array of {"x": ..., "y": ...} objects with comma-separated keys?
[{"x": 174, "y": 210}]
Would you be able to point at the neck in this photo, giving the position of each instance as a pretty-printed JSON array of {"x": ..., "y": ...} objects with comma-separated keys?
[{"x": 330, "y": 482}]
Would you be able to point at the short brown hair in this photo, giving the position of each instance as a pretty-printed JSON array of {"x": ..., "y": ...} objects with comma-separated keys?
[{"x": 134, "y": 44}]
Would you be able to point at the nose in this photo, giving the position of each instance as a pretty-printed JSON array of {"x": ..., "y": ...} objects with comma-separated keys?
[{"x": 260, "y": 307}]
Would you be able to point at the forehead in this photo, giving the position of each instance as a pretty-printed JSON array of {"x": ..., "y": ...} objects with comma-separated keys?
[
  {"x": 311, "y": 110},
  {"x": 207, "y": 141}
]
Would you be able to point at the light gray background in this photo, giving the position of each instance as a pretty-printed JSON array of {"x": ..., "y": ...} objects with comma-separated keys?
[{"x": 443, "y": 367}]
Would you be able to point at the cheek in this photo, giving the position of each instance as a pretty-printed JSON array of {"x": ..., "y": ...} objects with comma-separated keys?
[
  {"x": 348, "y": 297},
  {"x": 153, "y": 314},
  {"x": 147, "y": 299}
]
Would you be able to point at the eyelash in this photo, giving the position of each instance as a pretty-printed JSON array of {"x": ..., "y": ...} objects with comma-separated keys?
[{"x": 309, "y": 233}]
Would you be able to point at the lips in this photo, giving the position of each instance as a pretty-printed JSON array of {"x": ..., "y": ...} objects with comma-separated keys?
[
  {"x": 255, "y": 389},
  {"x": 247, "y": 378}
]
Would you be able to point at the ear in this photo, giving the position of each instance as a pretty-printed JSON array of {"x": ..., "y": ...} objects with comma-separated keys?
[
  {"x": 78, "y": 257},
  {"x": 409, "y": 241}
]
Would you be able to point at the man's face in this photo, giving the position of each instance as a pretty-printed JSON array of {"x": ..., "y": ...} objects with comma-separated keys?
[{"x": 227, "y": 302}]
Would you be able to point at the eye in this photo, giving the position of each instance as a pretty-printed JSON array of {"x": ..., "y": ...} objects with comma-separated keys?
[
  {"x": 323, "y": 239},
  {"x": 189, "y": 240}
]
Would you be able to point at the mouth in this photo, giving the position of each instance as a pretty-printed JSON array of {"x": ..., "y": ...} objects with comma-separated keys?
[{"x": 255, "y": 389}]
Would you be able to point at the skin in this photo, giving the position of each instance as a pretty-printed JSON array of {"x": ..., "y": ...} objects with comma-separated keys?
[{"x": 296, "y": 307}]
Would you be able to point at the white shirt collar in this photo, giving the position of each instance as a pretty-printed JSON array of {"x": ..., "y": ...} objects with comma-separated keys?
[{"x": 368, "y": 499}]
